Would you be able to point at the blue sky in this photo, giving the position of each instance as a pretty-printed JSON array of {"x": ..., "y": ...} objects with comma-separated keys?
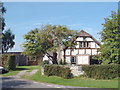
[{"x": 21, "y": 17}]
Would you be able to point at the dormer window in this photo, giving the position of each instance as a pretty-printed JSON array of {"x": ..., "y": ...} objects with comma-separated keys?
[
  {"x": 84, "y": 38},
  {"x": 84, "y": 44}
]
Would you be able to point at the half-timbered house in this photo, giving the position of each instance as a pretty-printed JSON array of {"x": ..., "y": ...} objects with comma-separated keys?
[{"x": 86, "y": 46}]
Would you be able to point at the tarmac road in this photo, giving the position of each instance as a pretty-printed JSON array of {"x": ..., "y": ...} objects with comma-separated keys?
[{"x": 15, "y": 82}]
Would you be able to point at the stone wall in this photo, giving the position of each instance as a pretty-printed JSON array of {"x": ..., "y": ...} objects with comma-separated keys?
[{"x": 76, "y": 70}]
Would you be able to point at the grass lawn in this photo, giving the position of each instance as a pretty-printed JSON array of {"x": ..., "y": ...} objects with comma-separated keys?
[
  {"x": 82, "y": 82},
  {"x": 18, "y": 69}
]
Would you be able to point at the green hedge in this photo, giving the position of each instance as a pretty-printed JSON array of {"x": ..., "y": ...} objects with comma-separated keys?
[
  {"x": 9, "y": 62},
  {"x": 56, "y": 70},
  {"x": 101, "y": 71}
]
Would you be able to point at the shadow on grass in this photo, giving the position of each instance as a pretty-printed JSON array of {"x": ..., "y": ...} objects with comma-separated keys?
[{"x": 19, "y": 69}]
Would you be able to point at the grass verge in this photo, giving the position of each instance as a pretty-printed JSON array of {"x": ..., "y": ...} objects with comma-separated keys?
[{"x": 81, "y": 81}]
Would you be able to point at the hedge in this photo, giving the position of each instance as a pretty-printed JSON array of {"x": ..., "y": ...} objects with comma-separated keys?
[
  {"x": 56, "y": 70},
  {"x": 102, "y": 71},
  {"x": 8, "y": 62}
]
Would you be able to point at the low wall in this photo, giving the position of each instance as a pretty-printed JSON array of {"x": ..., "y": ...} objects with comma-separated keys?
[{"x": 76, "y": 70}]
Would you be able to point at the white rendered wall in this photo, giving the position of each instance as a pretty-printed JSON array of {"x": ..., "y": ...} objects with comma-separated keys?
[
  {"x": 92, "y": 44},
  {"x": 94, "y": 51},
  {"x": 88, "y": 51},
  {"x": 74, "y": 52},
  {"x": 82, "y": 51},
  {"x": 77, "y": 46},
  {"x": 88, "y": 39},
  {"x": 97, "y": 46},
  {"x": 79, "y": 39},
  {"x": 68, "y": 59},
  {"x": 67, "y": 52},
  {"x": 98, "y": 52},
  {"x": 83, "y": 60},
  {"x": 45, "y": 58}
]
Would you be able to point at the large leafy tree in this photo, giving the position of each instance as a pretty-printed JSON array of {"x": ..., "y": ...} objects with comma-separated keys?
[
  {"x": 49, "y": 40},
  {"x": 110, "y": 37},
  {"x": 8, "y": 38}
]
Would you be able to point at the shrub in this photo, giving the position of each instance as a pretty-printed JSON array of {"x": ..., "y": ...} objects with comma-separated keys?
[
  {"x": 64, "y": 63},
  {"x": 101, "y": 71},
  {"x": 44, "y": 63},
  {"x": 61, "y": 63},
  {"x": 9, "y": 62},
  {"x": 56, "y": 70},
  {"x": 94, "y": 59}
]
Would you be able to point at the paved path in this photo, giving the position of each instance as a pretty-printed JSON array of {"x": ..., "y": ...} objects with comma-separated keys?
[
  {"x": 24, "y": 72},
  {"x": 33, "y": 72}
]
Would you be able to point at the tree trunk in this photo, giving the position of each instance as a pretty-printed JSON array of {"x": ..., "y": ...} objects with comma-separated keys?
[
  {"x": 2, "y": 50},
  {"x": 64, "y": 55},
  {"x": 55, "y": 58}
]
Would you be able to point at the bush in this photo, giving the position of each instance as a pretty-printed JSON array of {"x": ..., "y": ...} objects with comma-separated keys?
[
  {"x": 44, "y": 63},
  {"x": 94, "y": 59},
  {"x": 62, "y": 63},
  {"x": 9, "y": 62},
  {"x": 101, "y": 71},
  {"x": 56, "y": 70}
]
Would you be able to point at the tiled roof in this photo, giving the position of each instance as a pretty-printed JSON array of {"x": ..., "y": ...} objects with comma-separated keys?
[{"x": 83, "y": 33}]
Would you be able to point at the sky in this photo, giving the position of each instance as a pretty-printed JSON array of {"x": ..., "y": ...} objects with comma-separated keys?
[{"x": 21, "y": 17}]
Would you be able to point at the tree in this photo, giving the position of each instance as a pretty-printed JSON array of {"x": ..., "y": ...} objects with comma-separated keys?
[
  {"x": 8, "y": 38},
  {"x": 49, "y": 40},
  {"x": 110, "y": 37},
  {"x": 2, "y": 24},
  {"x": 2, "y": 11}
]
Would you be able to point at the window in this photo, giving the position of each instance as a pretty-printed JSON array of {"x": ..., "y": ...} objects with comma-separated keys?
[
  {"x": 74, "y": 60},
  {"x": 80, "y": 44},
  {"x": 84, "y": 44},
  {"x": 87, "y": 44}
]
